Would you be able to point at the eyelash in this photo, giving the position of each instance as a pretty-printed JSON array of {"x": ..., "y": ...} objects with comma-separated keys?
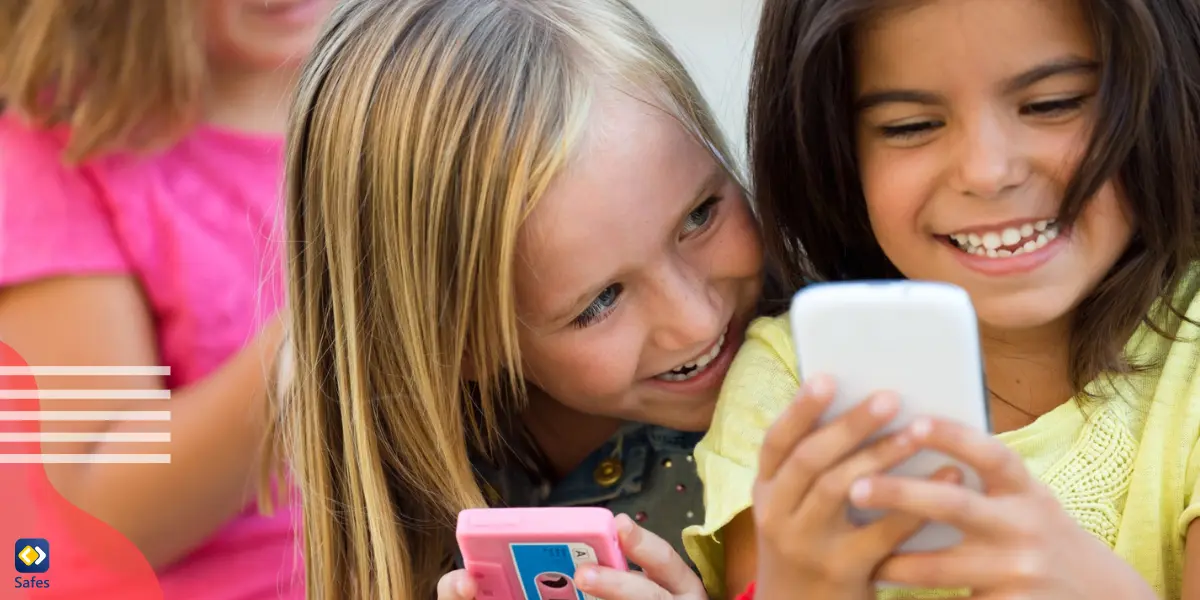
[
  {"x": 1048, "y": 108},
  {"x": 1054, "y": 107},
  {"x": 705, "y": 213},
  {"x": 909, "y": 130},
  {"x": 602, "y": 306}
]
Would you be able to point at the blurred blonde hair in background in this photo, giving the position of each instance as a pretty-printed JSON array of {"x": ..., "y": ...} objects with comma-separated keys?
[{"x": 122, "y": 74}]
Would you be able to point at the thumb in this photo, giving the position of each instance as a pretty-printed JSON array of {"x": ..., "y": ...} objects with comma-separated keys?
[
  {"x": 456, "y": 585},
  {"x": 658, "y": 559},
  {"x": 612, "y": 584}
]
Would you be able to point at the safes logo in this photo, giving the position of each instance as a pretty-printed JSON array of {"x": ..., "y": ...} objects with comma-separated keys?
[{"x": 31, "y": 555}]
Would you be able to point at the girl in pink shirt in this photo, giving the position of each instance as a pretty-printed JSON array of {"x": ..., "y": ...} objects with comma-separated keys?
[{"x": 140, "y": 161}]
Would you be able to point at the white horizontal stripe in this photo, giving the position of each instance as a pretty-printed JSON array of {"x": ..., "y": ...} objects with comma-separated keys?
[
  {"x": 86, "y": 371},
  {"x": 85, "y": 394},
  {"x": 128, "y": 459},
  {"x": 85, "y": 415},
  {"x": 99, "y": 436}
]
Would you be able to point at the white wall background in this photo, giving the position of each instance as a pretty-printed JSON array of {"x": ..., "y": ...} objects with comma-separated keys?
[{"x": 714, "y": 38}]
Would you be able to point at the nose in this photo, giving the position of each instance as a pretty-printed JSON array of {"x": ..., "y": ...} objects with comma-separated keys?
[
  {"x": 688, "y": 311},
  {"x": 989, "y": 158}
]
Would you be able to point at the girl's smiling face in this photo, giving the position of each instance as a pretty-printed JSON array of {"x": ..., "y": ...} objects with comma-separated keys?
[
  {"x": 642, "y": 258},
  {"x": 972, "y": 117}
]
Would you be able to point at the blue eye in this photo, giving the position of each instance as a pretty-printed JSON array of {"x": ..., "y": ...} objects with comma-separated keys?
[
  {"x": 600, "y": 307},
  {"x": 700, "y": 217}
]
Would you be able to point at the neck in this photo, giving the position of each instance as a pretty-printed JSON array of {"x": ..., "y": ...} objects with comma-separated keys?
[
  {"x": 253, "y": 102},
  {"x": 565, "y": 435},
  {"x": 1027, "y": 371}
]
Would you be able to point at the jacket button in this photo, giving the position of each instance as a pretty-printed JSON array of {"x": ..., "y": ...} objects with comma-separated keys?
[{"x": 608, "y": 472}]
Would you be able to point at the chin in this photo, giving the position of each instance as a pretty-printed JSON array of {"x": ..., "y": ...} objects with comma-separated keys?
[
  {"x": 1007, "y": 315},
  {"x": 690, "y": 419},
  {"x": 697, "y": 420}
]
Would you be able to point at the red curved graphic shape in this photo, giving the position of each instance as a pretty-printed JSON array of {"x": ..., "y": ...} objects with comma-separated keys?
[{"x": 88, "y": 559}]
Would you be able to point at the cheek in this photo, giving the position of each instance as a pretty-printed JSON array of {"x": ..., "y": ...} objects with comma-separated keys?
[
  {"x": 219, "y": 35},
  {"x": 1106, "y": 224},
  {"x": 896, "y": 184},
  {"x": 234, "y": 37},
  {"x": 736, "y": 251},
  {"x": 583, "y": 369}
]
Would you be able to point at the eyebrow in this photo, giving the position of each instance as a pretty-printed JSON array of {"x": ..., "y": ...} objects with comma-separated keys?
[
  {"x": 1059, "y": 66},
  {"x": 573, "y": 309}
]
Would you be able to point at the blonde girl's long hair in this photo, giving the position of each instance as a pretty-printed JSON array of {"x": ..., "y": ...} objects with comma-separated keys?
[
  {"x": 422, "y": 134},
  {"x": 122, "y": 74}
]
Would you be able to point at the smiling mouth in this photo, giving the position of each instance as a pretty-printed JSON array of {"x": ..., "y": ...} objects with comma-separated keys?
[
  {"x": 1009, "y": 241},
  {"x": 698, "y": 365}
]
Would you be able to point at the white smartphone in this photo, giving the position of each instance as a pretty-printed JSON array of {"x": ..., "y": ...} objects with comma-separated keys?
[{"x": 917, "y": 339}]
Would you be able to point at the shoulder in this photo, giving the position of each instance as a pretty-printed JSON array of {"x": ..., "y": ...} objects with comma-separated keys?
[
  {"x": 33, "y": 158},
  {"x": 774, "y": 331},
  {"x": 767, "y": 350},
  {"x": 1170, "y": 338},
  {"x": 53, "y": 220},
  {"x": 36, "y": 181},
  {"x": 761, "y": 382}
]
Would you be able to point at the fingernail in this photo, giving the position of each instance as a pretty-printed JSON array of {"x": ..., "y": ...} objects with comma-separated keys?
[
  {"x": 883, "y": 404},
  {"x": 859, "y": 491},
  {"x": 624, "y": 524},
  {"x": 921, "y": 427},
  {"x": 819, "y": 385},
  {"x": 585, "y": 577}
]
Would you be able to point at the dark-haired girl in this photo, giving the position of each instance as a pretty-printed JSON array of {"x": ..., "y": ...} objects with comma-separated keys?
[{"x": 1045, "y": 156}]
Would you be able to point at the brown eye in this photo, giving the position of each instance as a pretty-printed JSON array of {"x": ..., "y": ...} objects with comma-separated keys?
[
  {"x": 1054, "y": 108},
  {"x": 909, "y": 130}
]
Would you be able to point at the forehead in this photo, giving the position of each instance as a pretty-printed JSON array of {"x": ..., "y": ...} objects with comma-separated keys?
[
  {"x": 943, "y": 39},
  {"x": 635, "y": 170}
]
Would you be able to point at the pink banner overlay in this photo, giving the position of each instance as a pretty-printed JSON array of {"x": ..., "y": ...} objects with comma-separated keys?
[{"x": 59, "y": 552}]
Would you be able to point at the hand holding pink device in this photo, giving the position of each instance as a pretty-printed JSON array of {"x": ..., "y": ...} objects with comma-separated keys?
[{"x": 532, "y": 553}]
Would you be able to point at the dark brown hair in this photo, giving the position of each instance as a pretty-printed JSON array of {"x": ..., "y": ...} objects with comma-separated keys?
[{"x": 1147, "y": 139}]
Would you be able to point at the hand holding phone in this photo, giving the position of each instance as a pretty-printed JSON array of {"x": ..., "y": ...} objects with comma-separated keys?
[
  {"x": 805, "y": 474},
  {"x": 664, "y": 574},
  {"x": 533, "y": 553},
  {"x": 919, "y": 340}
]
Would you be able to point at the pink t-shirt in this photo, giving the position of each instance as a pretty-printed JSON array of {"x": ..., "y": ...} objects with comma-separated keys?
[{"x": 198, "y": 227}]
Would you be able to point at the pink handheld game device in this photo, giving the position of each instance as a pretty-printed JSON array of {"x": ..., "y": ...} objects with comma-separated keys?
[{"x": 532, "y": 553}]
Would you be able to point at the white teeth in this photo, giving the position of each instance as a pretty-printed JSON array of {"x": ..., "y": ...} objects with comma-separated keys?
[
  {"x": 1010, "y": 241},
  {"x": 696, "y": 367},
  {"x": 991, "y": 240},
  {"x": 1010, "y": 236}
]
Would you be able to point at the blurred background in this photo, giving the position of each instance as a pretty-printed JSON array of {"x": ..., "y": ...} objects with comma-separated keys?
[{"x": 715, "y": 38}]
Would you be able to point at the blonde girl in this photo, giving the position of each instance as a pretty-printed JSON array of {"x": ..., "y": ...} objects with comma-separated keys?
[
  {"x": 142, "y": 154},
  {"x": 519, "y": 265}
]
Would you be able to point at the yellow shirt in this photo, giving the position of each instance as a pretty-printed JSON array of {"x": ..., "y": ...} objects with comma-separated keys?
[{"x": 1125, "y": 469}]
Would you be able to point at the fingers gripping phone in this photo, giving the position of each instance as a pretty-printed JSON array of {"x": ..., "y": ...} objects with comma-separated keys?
[
  {"x": 532, "y": 553},
  {"x": 917, "y": 339}
]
